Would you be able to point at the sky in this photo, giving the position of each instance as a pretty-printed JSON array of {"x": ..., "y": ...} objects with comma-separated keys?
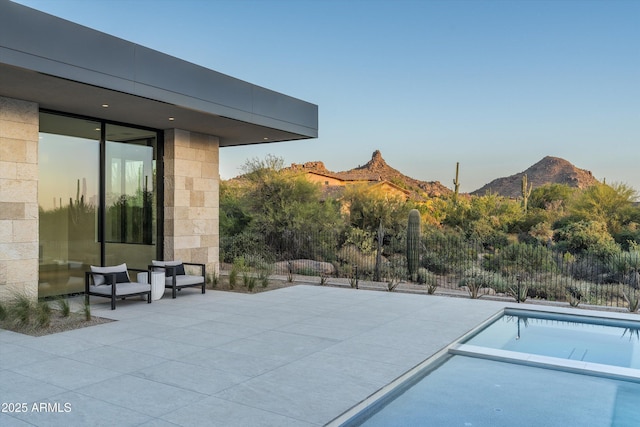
[{"x": 495, "y": 85}]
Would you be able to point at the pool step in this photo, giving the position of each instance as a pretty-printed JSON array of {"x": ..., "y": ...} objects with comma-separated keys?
[{"x": 560, "y": 364}]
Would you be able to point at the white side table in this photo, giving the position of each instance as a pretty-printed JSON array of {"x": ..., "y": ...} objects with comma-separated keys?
[{"x": 157, "y": 283}]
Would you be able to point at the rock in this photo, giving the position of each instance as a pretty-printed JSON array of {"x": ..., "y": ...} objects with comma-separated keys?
[{"x": 306, "y": 267}]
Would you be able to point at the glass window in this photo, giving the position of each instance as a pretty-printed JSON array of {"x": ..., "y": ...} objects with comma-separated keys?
[
  {"x": 71, "y": 203},
  {"x": 68, "y": 199},
  {"x": 130, "y": 200}
]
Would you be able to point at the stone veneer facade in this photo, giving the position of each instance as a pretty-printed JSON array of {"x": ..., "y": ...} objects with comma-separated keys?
[
  {"x": 191, "y": 190},
  {"x": 19, "y": 127}
]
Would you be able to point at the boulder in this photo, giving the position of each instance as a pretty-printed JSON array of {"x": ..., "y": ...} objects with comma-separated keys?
[{"x": 307, "y": 267}]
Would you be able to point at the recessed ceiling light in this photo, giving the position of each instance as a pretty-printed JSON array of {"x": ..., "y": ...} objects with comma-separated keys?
[
  {"x": 105, "y": 105},
  {"x": 265, "y": 138},
  {"x": 171, "y": 119}
]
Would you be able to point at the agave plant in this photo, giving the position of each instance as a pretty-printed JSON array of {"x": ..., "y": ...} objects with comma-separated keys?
[
  {"x": 633, "y": 300},
  {"x": 519, "y": 293}
]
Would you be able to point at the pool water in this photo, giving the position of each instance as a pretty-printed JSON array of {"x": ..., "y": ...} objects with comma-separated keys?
[
  {"x": 467, "y": 392},
  {"x": 496, "y": 377},
  {"x": 568, "y": 337}
]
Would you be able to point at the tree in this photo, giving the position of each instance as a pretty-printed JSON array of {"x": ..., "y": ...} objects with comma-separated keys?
[
  {"x": 282, "y": 200},
  {"x": 551, "y": 197},
  {"x": 586, "y": 236},
  {"x": 612, "y": 205},
  {"x": 368, "y": 207},
  {"x": 234, "y": 214}
]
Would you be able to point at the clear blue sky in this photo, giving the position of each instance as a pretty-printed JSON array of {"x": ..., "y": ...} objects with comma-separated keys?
[{"x": 494, "y": 85}]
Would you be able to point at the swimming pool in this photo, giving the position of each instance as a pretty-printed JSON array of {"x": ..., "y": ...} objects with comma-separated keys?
[
  {"x": 580, "y": 338},
  {"x": 585, "y": 372}
]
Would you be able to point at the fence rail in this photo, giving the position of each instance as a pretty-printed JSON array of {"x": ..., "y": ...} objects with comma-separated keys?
[{"x": 520, "y": 270}]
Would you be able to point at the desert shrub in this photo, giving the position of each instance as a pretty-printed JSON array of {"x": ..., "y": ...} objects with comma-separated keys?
[
  {"x": 520, "y": 258},
  {"x": 633, "y": 300},
  {"x": 21, "y": 309},
  {"x": 63, "y": 306},
  {"x": 361, "y": 239},
  {"x": 244, "y": 244},
  {"x": 43, "y": 314},
  {"x": 213, "y": 279},
  {"x": 624, "y": 268},
  {"x": 541, "y": 290},
  {"x": 261, "y": 267},
  {"x": 608, "y": 294},
  {"x": 476, "y": 278},
  {"x": 426, "y": 277},
  {"x": 237, "y": 268},
  {"x": 450, "y": 253},
  {"x": 395, "y": 271},
  {"x": 588, "y": 267},
  {"x": 586, "y": 236},
  {"x": 350, "y": 256},
  {"x": 249, "y": 280}
]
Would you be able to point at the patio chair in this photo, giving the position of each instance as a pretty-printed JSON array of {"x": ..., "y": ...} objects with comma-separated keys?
[
  {"x": 113, "y": 282},
  {"x": 176, "y": 277}
]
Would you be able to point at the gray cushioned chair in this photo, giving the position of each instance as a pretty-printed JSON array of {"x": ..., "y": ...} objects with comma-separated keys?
[
  {"x": 113, "y": 282},
  {"x": 176, "y": 277}
]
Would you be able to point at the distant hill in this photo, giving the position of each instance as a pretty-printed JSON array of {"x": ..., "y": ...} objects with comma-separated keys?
[
  {"x": 549, "y": 170},
  {"x": 377, "y": 169}
]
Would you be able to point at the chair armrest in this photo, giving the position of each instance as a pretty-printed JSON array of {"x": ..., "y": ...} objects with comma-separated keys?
[
  {"x": 89, "y": 277},
  {"x": 195, "y": 264}
]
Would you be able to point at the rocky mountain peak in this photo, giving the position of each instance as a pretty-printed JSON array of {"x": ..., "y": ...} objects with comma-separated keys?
[
  {"x": 376, "y": 163},
  {"x": 549, "y": 170}
]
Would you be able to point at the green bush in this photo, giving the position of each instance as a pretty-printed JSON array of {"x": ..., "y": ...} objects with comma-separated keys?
[
  {"x": 245, "y": 244},
  {"x": 476, "y": 278},
  {"x": 448, "y": 253},
  {"x": 521, "y": 259},
  {"x": 586, "y": 237},
  {"x": 352, "y": 256}
]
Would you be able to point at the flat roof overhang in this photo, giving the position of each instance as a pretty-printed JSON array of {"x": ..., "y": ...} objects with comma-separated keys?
[{"x": 67, "y": 67}]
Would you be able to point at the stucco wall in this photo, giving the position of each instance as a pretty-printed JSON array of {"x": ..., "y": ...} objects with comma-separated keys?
[
  {"x": 191, "y": 190},
  {"x": 18, "y": 197}
]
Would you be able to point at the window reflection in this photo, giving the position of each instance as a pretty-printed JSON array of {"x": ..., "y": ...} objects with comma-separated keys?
[
  {"x": 68, "y": 188},
  {"x": 69, "y": 199},
  {"x": 130, "y": 197}
]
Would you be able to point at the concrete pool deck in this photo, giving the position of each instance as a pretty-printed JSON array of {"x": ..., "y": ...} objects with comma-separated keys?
[{"x": 296, "y": 356}]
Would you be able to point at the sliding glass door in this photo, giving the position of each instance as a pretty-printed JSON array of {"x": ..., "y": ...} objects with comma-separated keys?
[
  {"x": 130, "y": 198},
  {"x": 97, "y": 197}
]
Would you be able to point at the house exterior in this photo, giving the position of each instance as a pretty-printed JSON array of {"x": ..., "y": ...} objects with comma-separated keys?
[
  {"x": 109, "y": 151},
  {"x": 333, "y": 183}
]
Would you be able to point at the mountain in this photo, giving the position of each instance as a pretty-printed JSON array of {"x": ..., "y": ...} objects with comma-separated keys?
[
  {"x": 549, "y": 170},
  {"x": 377, "y": 169}
]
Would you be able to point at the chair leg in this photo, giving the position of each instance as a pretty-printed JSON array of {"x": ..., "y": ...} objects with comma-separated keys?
[
  {"x": 113, "y": 303},
  {"x": 203, "y": 287},
  {"x": 149, "y": 298},
  {"x": 173, "y": 293}
]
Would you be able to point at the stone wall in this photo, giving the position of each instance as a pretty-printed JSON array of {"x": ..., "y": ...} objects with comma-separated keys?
[
  {"x": 191, "y": 190},
  {"x": 19, "y": 129}
]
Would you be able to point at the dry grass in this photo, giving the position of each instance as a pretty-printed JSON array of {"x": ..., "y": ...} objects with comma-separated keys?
[
  {"x": 57, "y": 323},
  {"x": 273, "y": 283}
]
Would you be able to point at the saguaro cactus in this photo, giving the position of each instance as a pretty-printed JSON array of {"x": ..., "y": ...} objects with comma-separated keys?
[
  {"x": 413, "y": 242},
  {"x": 456, "y": 184},
  {"x": 526, "y": 192}
]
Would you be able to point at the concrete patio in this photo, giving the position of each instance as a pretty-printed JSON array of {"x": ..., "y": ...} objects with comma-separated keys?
[{"x": 297, "y": 356}]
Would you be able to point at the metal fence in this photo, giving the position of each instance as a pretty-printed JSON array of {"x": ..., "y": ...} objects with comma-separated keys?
[{"x": 450, "y": 262}]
